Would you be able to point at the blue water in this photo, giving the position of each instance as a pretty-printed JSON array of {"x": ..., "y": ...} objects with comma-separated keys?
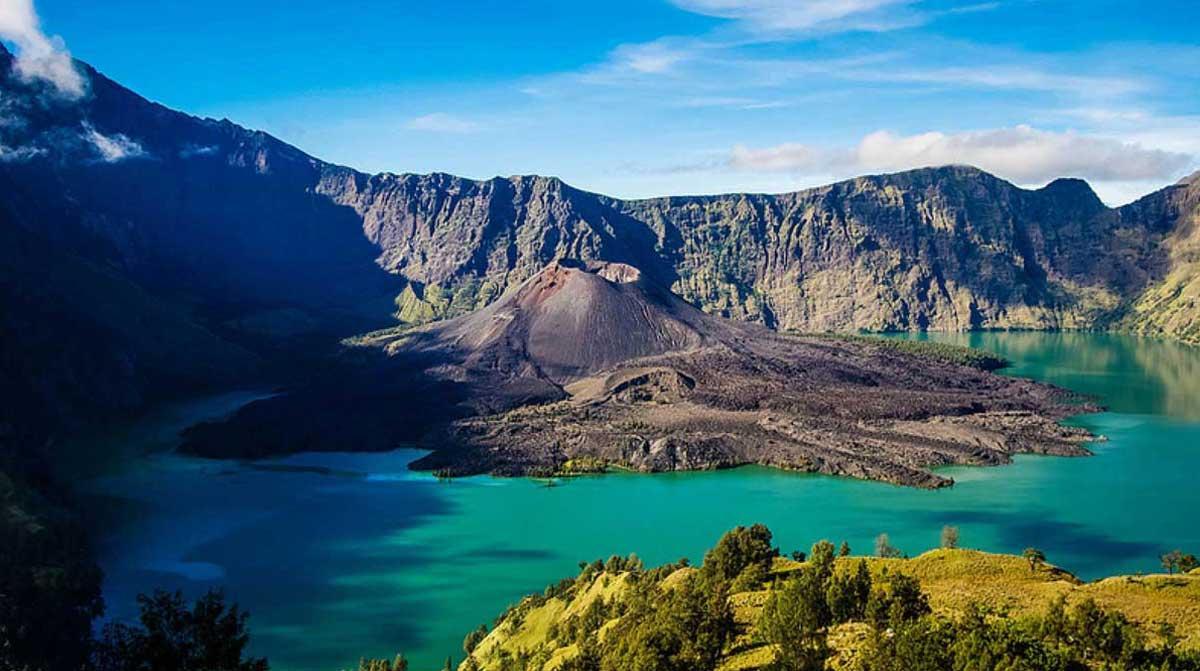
[{"x": 342, "y": 555}]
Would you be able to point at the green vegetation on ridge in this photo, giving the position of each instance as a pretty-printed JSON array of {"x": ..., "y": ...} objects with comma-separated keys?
[{"x": 747, "y": 608}]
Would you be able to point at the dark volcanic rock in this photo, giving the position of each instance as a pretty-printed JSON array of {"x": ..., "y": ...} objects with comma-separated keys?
[{"x": 593, "y": 363}]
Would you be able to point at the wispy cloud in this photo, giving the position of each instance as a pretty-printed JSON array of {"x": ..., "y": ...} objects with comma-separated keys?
[
  {"x": 39, "y": 56},
  {"x": 113, "y": 148},
  {"x": 441, "y": 122},
  {"x": 731, "y": 102},
  {"x": 650, "y": 57},
  {"x": 699, "y": 69},
  {"x": 787, "y": 17},
  {"x": 1021, "y": 153},
  {"x": 17, "y": 154},
  {"x": 194, "y": 150}
]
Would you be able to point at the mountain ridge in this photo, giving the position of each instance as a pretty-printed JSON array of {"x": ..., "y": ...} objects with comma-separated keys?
[{"x": 264, "y": 246}]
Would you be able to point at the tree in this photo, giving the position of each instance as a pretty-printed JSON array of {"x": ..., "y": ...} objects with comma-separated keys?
[
  {"x": 883, "y": 547},
  {"x": 1171, "y": 560},
  {"x": 848, "y": 594},
  {"x": 949, "y": 537},
  {"x": 738, "y": 549},
  {"x": 844, "y": 550},
  {"x": 750, "y": 579},
  {"x": 449, "y": 665},
  {"x": 474, "y": 638},
  {"x": 677, "y": 629},
  {"x": 820, "y": 556},
  {"x": 1188, "y": 563},
  {"x": 795, "y": 620},
  {"x": 209, "y": 637},
  {"x": 897, "y": 601},
  {"x": 921, "y": 646},
  {"x": 1035, "y": 557},
  {"x": 909, "y": 602},
  {"x": 397, "y": 664}
]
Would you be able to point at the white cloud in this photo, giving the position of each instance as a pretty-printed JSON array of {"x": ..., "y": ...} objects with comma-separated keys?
[
  {"x": 1022, "y": 78},
  {"x": 790, "y": 16},
  {"x": 113, "y": 148},
  {"x": 38, "y": 55},
  {"x": 14, "y": 154},
  {"x": 649, "y": 58},
  {"x": 193, "y": 150},
  {"x": 1023, "y": 154},
  {"x": 732, "y": 102},
  {"x": 786, "y": 157},
  {"x": 440, "y": 122}
]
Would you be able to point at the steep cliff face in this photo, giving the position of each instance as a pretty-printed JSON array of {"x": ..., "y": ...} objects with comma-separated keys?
[
  {"x": 460, "y": 243},
  {"x": 944, "y": 248},
  {"x": 947, "y": 248},
  {"x": 1171, "y": 307}
]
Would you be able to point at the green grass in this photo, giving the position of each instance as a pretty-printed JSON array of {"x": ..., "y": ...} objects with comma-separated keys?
[{"x": 953, "y": 579}]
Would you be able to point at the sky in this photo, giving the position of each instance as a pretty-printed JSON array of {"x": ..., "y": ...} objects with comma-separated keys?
[{"x": 667, "y": 97}]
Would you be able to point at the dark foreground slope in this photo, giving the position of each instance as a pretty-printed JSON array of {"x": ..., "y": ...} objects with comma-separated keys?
[{"x": 588, "y": 366}]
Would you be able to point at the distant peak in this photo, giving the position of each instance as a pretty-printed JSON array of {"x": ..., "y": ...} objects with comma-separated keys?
[
  {"x": 938, "y": 172},
  {"x": 1071, "y": 187}
]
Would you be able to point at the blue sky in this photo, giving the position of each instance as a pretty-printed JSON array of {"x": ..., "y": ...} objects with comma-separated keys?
[{"x": 676, "y": 96}]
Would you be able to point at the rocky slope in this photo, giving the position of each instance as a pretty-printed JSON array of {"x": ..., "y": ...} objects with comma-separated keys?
[
  {"x": 1171, "y": 306},
  {"x": 947, "y": 248}
]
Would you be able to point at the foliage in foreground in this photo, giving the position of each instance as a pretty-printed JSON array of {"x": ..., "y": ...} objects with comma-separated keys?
[
  {"x": 209, "y": 636},
  {"x": 746, "y": 608},
  {"x": 49, "y": 584}
]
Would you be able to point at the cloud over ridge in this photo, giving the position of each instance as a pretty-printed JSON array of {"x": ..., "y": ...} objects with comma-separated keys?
[
  {"x": 1021, "y": 153},
  {"x": 39, "y": 56}
]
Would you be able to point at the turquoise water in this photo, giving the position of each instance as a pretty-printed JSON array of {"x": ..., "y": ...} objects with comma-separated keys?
[{"x": 342, "y": 555}]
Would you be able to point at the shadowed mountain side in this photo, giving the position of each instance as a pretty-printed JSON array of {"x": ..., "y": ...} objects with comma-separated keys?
[
  {"x": 589, "y": 366},
  {"x": 148, "y": 254},
  {"x": 368, "y": 404}
]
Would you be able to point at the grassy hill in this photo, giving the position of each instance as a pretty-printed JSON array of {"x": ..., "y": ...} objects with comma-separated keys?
[{"x": 543, "y": 632}]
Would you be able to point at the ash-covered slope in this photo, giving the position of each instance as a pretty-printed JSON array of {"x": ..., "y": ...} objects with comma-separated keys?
[{"x": 569, "y": 321}]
